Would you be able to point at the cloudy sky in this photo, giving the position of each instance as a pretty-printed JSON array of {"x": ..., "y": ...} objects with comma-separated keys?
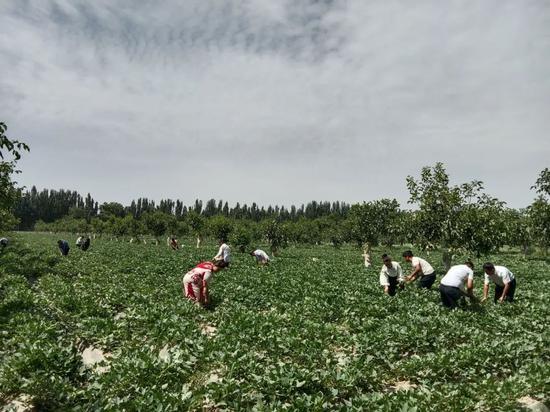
[{"x": 276, "y": 101}]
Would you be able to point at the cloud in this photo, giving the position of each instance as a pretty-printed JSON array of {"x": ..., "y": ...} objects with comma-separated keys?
[{"x": 276, "y": 101}]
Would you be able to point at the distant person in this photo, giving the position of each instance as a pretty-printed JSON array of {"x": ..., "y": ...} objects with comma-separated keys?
[
  {"x": 504, "y": 280},
  {"x": 453, "y": 283},
  {"x": 195, "y": 282},
  {"x": 83, "y": 243},
  {"x": 420, "y": 268},
  {"x": 366, "y": 255},
  {"x": 391, "y": 276},
  {"x": 3, "y": 243},
  {"x": 224, "y": 252},
  {"x": 86, "y": 244},
  {"x": 262, "y": 258},
  {"x": 63, "y": 247},
  {"x": 173, "y": 243}
]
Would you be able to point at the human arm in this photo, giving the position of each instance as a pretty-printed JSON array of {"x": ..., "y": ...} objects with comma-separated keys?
[
  {"x": 485, "y": 291},
  {"x": 400, "y": 276},
  {"x": 219, "y": 255},
  {"x": 469, "y": 289},
  {"x": 205, "y": 291},
  {"x": 416, "y": 271},
  {"x": 504, "y": 292},
  {"x": 384, "y": 281}
]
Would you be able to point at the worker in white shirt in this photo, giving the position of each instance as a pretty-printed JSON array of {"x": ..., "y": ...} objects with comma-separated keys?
[
  {"x": 505, "y": 283},
  {"x": 420, "y": 268},
  {"x": 262, "y": 258},
  {"x": 391, "y": 275},
  {"x": 224, "y": 252},
  {"x": 452, "y": 284}
]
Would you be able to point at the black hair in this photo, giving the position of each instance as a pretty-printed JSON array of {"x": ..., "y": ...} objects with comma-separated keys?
[
  {"x": 469, "y": 263},
  {"x": 384, "y": 256},
  {"x": 488, "y": 266},
  {"x": 408, "y": 253},
  {"x": 221, "y": 263}
]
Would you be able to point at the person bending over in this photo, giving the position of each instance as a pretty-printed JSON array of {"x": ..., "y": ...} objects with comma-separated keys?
[
  {"x": 452, "y": 284},
  {"x": 504, "y": 280},
  {"x": 420, "y": 269},
  {"x": 391, "y": 275},
  {"x": 195, "y": 282},
  {"x": 262, "y": 258}
]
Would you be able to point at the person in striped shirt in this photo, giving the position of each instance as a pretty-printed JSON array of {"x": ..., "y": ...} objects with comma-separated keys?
[
  {"x": 195, "y": 282},
  {"x": 504, "y": 280}
]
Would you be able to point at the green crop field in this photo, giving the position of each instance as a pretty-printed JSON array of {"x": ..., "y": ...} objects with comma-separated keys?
[{"x": 313, "y": 331}]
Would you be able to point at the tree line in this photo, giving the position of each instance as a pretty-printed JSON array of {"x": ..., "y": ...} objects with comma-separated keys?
[
  {"x": 454, "y": 218},
  {"x": 450, "y": 217}
]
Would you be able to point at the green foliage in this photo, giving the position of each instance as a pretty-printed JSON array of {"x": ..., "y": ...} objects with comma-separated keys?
[
  {"x": 482, "y": 226},
  {"x": 542, "y": 185},
  {"x": 8, "y": 190},
  {"x": 156, "y": 223},
  {"x": 296, "y": 335},
  {"x": 276, "y": 234},
  {"x": 111, "y": 209},
  {"x": 196, "y": 222},
  {"x": 457, "y": 217},
  {"x": 241, "y": 237},
  {"x": 220, "y": 227},
  {"x": 539, "y": 212},
  {"x": 373, "y": 221}
]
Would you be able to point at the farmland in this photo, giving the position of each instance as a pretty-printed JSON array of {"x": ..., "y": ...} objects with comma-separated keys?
[{"x": 313, "y": 331}]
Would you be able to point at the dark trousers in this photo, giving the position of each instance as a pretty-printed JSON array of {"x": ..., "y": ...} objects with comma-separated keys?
[
  {"x": 449, "y": 296},
  {"x": 509, "y": 295},
  {"x": 392, "y": 288},
  {"x": 426, "y": 281}
]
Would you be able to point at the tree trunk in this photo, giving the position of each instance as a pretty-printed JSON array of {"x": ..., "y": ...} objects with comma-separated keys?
[{"x": 447, "y": 259}]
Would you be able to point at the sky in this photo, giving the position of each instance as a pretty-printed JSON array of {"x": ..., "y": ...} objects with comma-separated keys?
[{"x": 276, "y": 102}]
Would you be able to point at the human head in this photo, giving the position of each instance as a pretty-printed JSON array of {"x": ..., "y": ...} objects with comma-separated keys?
[
  {"x": 252, "y": 253},
  {"x": 59, "y": 242},
  {"x": 489, "y": 268},
  {"x": 387, "y": 260},
  {"x": 219, "y": 264},
  {"x": 408, "y": 255},
  {"x": 470, "y": 264}
]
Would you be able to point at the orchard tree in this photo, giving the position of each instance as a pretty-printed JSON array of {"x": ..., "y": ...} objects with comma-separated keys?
[
  {"x": 276, "y": 234},
  {"x": 457, "y": 217},
  {"x": 539, "y": 211},
  {"x": 197, "y": 223},
  {"x": 304, "y": 231},
  {"x": 111, "y": 209},
  {"x": 483, "y": 226},
  {"x": 10, "y": 153},
  {"x": 542, "y": 185},
  {"x": 518, "y": 229},
  {"x": 370, "y": 222},
  {"x": 241, "y": 236},
  {"x": 220, "y": 227},
  {"x": 156, "y": 223}
]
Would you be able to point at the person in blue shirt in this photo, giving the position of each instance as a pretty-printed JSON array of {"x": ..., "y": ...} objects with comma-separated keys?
[{"x": 63, "y": 247}]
